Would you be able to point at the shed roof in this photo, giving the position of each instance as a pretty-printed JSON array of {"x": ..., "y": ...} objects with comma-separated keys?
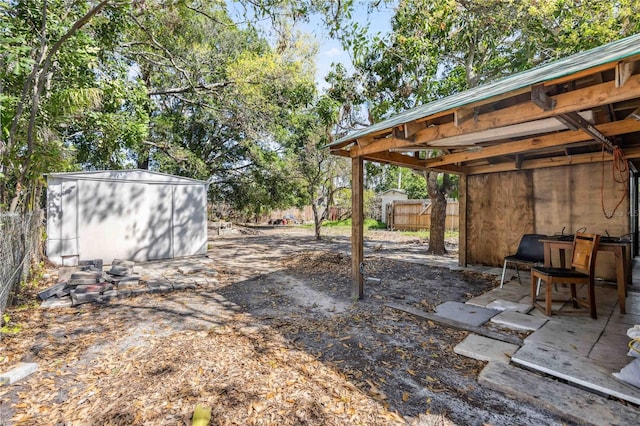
[
  {"x": 130, "y": 175},
  {"x": 581, "y": 61},
  {"x": 556, "y": 114}
]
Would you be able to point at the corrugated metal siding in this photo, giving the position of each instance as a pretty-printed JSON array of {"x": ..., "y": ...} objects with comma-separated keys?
[{"x": 601, "y": 55}]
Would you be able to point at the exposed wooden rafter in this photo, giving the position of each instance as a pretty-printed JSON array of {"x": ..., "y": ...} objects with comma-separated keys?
[{"x": 580, "y": 99}]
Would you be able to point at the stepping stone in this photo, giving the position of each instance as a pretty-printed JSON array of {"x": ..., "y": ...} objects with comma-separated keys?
[
  {"x": 485, "y": 349},
  {"x": 19, "y": 372},
  {"x": 518, "y": 321},
  {"x": 159, "y": 286},
  {"x": 53, "y": 303},
  {"x": 575, "y": 404},
  {"x": 464, "y": 313},
  {"x": 86, "y": 274},
  {"x": 506, "y": 305},
  {"x": 80, "y": 298},
  {"x": 574, "y": 368},
  {"x": 121, "y": 262},
  {"x": 127, "y": 282},
  {"x": 66, "y": 291},
  {"x": 93, "y": 288},
  {"x": 54, "y": 289},
  {"x": 110, "y": 294},
  {"x": 119, "y": 270},
  {"x": 96, "y": 264},
  {"x": 190, "y": 269}
]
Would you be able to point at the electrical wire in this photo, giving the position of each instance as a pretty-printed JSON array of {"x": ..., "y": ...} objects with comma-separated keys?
[{"x": 620, "y": 174}]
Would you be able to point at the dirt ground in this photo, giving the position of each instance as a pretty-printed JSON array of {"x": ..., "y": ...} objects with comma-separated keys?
[{"x": 278, "y": 340}]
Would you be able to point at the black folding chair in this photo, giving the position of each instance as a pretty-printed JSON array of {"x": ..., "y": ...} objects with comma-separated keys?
[{"x": 530, "y": 252}]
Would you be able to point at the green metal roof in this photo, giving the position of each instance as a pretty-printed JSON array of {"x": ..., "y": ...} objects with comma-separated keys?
[{"x": 601, "y": 55}]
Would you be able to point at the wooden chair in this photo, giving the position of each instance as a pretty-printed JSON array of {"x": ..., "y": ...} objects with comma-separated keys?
[{"x": 583, "y": 263}]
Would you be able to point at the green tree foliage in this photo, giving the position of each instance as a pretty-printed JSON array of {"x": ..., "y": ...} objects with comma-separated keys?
[
  {"x": 318, "y": 175},
  {"x": 437, "y": 48},
  {"x": 174, "y": 86}
]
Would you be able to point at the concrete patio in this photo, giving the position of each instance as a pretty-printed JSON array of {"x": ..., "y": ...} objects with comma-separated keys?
[{"x": 566, "y": 363}]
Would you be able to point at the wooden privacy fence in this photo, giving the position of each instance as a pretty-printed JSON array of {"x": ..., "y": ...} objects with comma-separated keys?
[{"x": 414, "y": 215}]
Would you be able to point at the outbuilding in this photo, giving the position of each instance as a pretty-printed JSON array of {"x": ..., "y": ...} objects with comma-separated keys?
[
  {"x": 124, "y": 214},
  {"x": 551, "y": 150}
]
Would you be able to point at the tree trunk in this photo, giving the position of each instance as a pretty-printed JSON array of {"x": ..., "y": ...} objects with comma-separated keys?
[
  {"x": 317, "y": 221},
  {"x": 437, "y": 194}
]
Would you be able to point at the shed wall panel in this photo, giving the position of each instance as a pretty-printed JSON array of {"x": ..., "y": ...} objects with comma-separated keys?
[
  {"x": 189, "y": 220},
  {"x": 124, "y": 220}
]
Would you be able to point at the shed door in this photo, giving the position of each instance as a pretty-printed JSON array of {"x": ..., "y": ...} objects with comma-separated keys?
[{"x": 189, "y": 220}]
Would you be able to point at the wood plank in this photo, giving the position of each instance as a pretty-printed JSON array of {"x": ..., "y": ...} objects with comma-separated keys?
[
  {"x": 462, "y": 220},
  {"x": 581, "y": 99},
  {"x": 624, "y": 70},
  {"x": 456, "y": 324},
  {"x": 581, "y": 74},
  {"x": 461, "y": 115},
  {"x": 577, "y": 100},
  {"x": 596, "y": 157},
  {"x": 536, "y": 143},
  {"x": 357, "y": 228},
  {"x": 500, "y": 209},
  {"x": 409, "y": 162}
]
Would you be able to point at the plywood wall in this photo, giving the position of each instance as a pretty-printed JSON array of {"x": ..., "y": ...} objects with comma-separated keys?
[
  {"x": 570, "y": 198},
  {"x": 500, "y": 210},
  {"x": 504, "y": 206}
]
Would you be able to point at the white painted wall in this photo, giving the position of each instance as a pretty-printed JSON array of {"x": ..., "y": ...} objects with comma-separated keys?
[
  {"x": 389, "y": 196},
  {"x": 134, "y": 215}
]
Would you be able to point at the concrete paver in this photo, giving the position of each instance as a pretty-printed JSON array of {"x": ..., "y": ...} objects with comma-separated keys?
[
  {"x": 518, "y": 321},
  {"x": 485, "y": 349},
  {"x": 464, "y": 313}
]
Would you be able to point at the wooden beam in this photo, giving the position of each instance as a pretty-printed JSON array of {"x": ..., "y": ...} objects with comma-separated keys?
[
  {"x": 386, "y": 144},
  {"x": 461, "y": 115},
  {"x": 411, "y": 128},
  {"x": 594, "y": 157},
  {"x": 624, "y": 70},
  {"x": 340, "y": 152},
  {"x": 574, "y": 120},
  {"x": 541, "y": 99},
  {"x": 462, "y": 220},
  {"x": 581, "y": 99},
  {"x": 357, "y": 228},
  {"x": 537, "y": 143},
  {"x": 580, "y": 74},
  {"x": 409, "y": 162}
]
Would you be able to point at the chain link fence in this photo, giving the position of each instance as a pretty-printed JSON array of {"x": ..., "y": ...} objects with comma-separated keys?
[{"x": 20, "y": 246}]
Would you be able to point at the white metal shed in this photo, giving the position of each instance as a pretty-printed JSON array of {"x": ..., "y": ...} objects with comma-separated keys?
[{"x": 124, "y": 214}]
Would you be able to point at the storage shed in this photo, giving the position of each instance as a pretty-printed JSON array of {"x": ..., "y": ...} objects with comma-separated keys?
[
  {"x": 390, "y": 196},
  {"x": 124, "y": 214}
]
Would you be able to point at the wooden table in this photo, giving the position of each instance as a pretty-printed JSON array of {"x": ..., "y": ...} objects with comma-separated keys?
[{"x": 619, "y": 250}]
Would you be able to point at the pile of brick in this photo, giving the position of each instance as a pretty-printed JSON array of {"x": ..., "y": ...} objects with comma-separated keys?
[{"x": 89, "y": 283}]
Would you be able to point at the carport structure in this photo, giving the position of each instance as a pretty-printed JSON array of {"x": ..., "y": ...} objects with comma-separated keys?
[{"x": 534, "y": 152}]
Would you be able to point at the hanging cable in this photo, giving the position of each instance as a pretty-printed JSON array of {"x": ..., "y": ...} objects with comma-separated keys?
[{"x": 620, "y": 174}]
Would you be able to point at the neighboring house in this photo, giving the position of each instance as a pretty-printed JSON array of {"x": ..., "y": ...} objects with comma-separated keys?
[
  {"x": 124, "y": 214},
  {"x": 388, "y": 197}
]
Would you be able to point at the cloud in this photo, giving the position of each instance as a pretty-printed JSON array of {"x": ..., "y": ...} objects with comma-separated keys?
[{"x": 334, "y": 52}]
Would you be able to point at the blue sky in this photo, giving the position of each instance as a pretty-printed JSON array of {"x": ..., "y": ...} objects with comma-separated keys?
[{"x": 331, "y": 51}]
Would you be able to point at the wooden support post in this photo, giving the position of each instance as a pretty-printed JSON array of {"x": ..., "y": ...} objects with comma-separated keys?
[
  {"x": 462, "y": 221},
  {"x": 357, "y": 230}
]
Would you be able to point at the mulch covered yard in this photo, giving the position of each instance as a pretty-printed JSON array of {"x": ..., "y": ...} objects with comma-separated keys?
[{"x": 277, "y": 341}]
